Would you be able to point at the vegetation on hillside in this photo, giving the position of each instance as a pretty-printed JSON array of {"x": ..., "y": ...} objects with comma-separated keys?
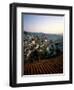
[{"x": 40, "y": 46}]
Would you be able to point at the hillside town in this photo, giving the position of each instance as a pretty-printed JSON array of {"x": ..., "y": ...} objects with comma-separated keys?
[{"x": 41, "y": 46}]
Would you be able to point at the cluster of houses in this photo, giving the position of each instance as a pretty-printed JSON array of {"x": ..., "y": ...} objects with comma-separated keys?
[{"x": 38, "y": 48}]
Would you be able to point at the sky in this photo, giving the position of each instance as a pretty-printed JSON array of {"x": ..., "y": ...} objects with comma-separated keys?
[{"x": 50, "y": 24}]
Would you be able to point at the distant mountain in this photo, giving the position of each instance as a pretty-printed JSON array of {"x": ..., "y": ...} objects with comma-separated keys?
[{"x": 45, "y": 35}]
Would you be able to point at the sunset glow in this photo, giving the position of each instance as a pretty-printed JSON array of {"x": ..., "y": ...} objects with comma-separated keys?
[{"x": 43, "y": 23}]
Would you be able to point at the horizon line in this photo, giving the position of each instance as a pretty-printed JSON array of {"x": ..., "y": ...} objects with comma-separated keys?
[{"x": 44, "y": 32}]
